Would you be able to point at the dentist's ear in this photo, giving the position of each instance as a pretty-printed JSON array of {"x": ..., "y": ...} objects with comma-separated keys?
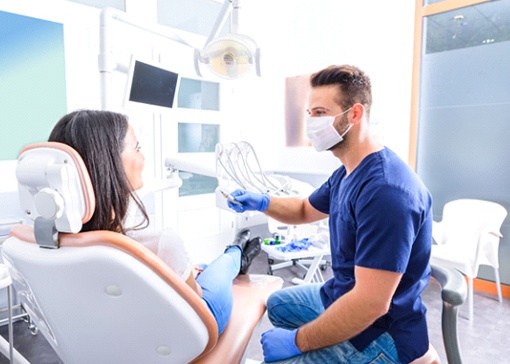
[{"x": 358, "y": 112}]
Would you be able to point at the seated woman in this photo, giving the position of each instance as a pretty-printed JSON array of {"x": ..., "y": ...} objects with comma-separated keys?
[{"x": 111, "y": 153}]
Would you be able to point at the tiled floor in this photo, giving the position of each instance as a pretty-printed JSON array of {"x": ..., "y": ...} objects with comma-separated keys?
[{"x": 485, "y": 340}]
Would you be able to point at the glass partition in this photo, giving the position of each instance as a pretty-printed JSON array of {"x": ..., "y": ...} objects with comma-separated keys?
[
  {"x": 464, "y": 115},
  {"x": 471, "y": 26},
  {"x": 197, "y": 138}
]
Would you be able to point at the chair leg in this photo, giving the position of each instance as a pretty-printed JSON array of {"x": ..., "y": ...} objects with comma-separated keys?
[
  {"x": 470, "y": 298},
  {"x": 498, "y": 284}
]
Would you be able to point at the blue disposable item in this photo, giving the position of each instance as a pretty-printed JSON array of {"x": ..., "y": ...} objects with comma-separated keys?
[
  {"x": 295, "y": 246},
  {"x": 248, "y": 201},
  {"x": 278, "y": 343}
]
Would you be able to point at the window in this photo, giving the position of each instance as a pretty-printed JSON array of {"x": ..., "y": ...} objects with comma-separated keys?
[
  {"x": 197, "y": 94},
  {"x": 462, "y": 104},
  {"x": 466, "y": 27}
]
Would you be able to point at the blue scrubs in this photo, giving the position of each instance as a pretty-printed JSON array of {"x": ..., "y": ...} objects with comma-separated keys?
[{"x": 380, "y": 217}]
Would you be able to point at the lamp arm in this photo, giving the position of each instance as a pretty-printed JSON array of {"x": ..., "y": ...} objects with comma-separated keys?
[
  {"x": 234, "y": 22},
  {"x": 257, "y": 62},
  {"x": 111, "y": 13},
  {"x": 220, "y": 20}
]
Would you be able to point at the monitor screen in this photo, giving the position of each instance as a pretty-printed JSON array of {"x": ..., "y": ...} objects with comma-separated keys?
[{"x": 152, "y": 85}]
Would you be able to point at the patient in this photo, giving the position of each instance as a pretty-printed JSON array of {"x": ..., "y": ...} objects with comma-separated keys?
[{"x": 111, "y": 152}]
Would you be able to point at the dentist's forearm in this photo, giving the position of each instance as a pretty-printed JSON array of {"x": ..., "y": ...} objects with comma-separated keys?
[{"x": 292, "y": 211}]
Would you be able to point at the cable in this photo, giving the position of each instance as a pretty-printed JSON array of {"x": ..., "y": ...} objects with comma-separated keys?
[{"x": 233, "y": 164}]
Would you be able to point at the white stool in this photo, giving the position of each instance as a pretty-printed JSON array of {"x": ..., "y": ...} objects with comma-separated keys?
[{"x": 7, "y": 348}]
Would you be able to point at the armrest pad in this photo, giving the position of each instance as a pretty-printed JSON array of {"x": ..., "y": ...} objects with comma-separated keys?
[{"x": 453, "y": 284}]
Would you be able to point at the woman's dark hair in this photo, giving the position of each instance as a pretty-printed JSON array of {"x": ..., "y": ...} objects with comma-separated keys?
[
  {"x": 353, "y": 84},
  {"x": 98, "y": 136}
]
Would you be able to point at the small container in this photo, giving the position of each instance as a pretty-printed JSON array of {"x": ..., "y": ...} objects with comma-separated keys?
[{"x": 277, "y": 239}]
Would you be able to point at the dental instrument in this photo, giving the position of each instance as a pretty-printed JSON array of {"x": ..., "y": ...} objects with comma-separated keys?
[{"x": 230, "y": 198}]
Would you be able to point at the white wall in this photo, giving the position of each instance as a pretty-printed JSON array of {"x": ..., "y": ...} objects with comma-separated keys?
[
  {"x": 301, "y": 37},
  {"x": 295, "y": 37}
]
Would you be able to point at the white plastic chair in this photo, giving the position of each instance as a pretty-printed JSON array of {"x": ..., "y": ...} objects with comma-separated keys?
[
  {"x": 468, "y": 236},
  {"x": 100, "y": 297}
]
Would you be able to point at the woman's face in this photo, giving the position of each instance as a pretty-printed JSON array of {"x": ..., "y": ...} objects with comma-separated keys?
[{"x": 133, "y": 159}]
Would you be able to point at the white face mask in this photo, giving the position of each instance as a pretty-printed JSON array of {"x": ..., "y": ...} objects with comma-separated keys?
[{"x": 322, "y": 133}]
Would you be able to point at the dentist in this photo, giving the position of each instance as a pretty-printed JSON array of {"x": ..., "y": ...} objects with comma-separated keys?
[{"x": 380, "y": 221}]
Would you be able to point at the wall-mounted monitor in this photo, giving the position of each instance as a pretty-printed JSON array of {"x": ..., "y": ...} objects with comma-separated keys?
[{"x": 151, "y": 84}]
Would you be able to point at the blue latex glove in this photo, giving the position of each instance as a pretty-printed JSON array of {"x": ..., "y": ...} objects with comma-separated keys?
[
  {"x": 278, "y": 344},
  {"x": 249, "y": 200}
]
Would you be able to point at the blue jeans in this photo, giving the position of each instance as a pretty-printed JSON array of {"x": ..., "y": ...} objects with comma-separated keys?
[
  {"x": 293, "y": 307},
  {"x": 216, "y": 282}
]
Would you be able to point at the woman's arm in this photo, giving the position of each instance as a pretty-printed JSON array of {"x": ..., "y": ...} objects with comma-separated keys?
[{"x": 193, "y": 283}]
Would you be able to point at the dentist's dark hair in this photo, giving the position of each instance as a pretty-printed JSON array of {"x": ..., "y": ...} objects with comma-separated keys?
[
  {"x": 98, "y": 136},
  {"x": 353, "y": 84}
]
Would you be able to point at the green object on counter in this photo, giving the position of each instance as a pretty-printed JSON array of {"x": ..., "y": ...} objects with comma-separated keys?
[{"x": 275, "y": 241}]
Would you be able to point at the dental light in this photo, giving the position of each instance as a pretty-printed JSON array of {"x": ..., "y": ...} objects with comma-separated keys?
[{"x": 231, "y": 56}]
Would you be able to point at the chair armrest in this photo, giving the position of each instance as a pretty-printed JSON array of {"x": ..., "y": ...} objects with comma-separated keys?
[
  {"x": 453, "y": 284},
  {"x": 453, "y": 294}
]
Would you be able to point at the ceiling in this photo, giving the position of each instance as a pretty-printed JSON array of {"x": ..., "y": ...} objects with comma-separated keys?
[{"x": 471, "y": 26}]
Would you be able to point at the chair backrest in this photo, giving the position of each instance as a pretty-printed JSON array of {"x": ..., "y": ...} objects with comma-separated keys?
[
  {"x": 97, "y": 297},
  {"x": 465, "y": 221}
]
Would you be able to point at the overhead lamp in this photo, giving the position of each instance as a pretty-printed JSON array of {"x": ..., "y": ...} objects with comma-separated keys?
[{"x": 231, "y": 56}]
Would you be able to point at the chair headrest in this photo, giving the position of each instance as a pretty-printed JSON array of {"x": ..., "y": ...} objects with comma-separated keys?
[{"x": 54, "y": 188}]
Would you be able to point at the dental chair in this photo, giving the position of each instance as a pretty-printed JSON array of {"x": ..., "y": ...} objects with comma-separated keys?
[{"x": 99, "y": 296}]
